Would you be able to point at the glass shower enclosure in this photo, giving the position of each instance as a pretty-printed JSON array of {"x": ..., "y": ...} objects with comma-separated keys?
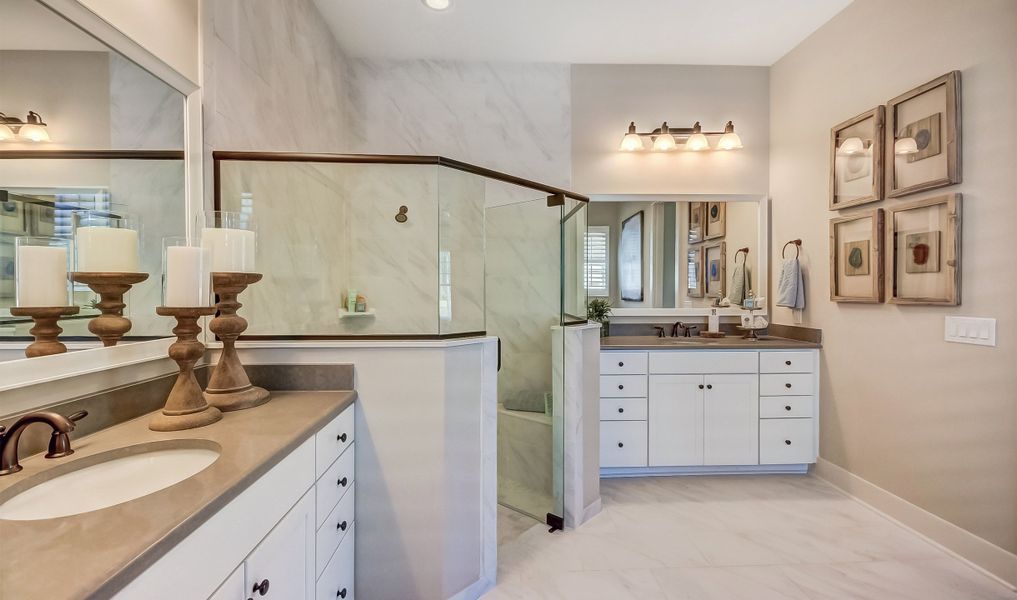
[{"x": 437, "y": 249}]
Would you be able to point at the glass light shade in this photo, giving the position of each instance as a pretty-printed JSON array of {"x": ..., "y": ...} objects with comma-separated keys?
[
  {"x": 230, "y": 237},
  {"x": 697, "y": 142},
  {"x": 6, "y": 135},
  {"x": 851, "y": 146},
  {"x": 186, "y": 274},
  {"x": 906, "y": 145},
  {"x": 631, "y": 143},
  {"x": 41, "y": 265},
  {"x": 33, "y": 133},
  {"x": 106, "y": 241},
  {"x": 664, "y": 143},
  {"x": 438, "y": 4},
  {"x": 729, "y": 141}
]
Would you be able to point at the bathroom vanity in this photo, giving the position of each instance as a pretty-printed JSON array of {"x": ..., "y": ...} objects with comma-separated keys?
[{"x": 695, "y": 405}]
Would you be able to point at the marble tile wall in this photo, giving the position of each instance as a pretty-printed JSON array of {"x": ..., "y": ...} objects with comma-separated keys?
[
  {"x": 461, "y": 243},
  {"x": 145, "y": 112}
]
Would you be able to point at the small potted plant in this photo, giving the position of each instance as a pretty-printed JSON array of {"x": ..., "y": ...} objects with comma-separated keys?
[{"x": 599, "y": 310}]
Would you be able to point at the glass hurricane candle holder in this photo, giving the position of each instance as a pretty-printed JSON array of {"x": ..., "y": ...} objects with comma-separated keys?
[
  {"x": 41, "y": 265},
  {"x": 106, "y": 241},
  {"x": 231, "y": 239},
  {"x": 186, "y": 274}
]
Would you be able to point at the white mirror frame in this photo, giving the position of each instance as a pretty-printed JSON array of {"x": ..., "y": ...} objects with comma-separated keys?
[
  {"x": 761, "y": 276},
  {"x": 25, "y": 372}
]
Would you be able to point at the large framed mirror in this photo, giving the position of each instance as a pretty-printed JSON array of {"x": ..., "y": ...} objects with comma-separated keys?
[
  {"x": 92, "y": 120},
  {"x": 691, "y": 253}
]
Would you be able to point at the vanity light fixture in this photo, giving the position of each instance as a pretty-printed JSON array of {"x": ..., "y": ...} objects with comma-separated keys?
[
  {"x": 666, "y": 139},
  {"x": 851, "y": 146},
  {"x": 32, "y": 129},
  {"x": 438, "y": 4}
]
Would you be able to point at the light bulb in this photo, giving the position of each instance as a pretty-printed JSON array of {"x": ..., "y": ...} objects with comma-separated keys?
[
  {"x": 850, "y": 146},
  {"x": 664, "y": 143},
  {"x": 33, "y": 133},
  {"x": 6, "y": 135},
  {"x": 906, "y": 145},
  {"x": 697, "y": 142}
]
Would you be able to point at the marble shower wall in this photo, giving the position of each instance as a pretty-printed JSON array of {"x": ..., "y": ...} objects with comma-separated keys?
[{"x": 510, "y": 117}]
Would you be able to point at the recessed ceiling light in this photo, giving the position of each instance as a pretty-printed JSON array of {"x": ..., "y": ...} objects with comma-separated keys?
[{"x": 438, "y": 4}]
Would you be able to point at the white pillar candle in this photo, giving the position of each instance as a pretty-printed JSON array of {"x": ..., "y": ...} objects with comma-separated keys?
[
  {"x": 232, "y": 249},
  {"x": 42, "y": 276},
  {"x": 106, "y": 250},
  {"x": 188, "y": 277}
]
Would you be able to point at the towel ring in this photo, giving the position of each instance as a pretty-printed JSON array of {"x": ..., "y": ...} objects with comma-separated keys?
[
  {"x": 798, "y": 248},
  {"x": 744, "y": 258}
]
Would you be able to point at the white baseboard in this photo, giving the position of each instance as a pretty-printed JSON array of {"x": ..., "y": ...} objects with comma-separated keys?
[
  {"x": 981, "y": 554},
  {"x": 592, "y": 510},
  {"x": 611, "y": 472},
  {"x": 475, "y": 590}
]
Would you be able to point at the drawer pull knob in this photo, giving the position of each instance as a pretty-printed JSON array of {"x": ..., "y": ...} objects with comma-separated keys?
[
  {"x": 621, "y": 445},
  {"x": 787, "y": 385},
  {"x": 787, "y": 407},
  {"x": 342, "y": 526},
  {"x": 621, "y": 387},
  {"x": 341, "y": 593},
  {"x": 787, "y": 362},
  {"x": 341, "y": 481},
  {"x": 709, "y": 386},
  {"x": 701, "y": 386},
  {"x": 621, "y": 410},
  {"x": 261, "y": 588},
  {"x": 621, "y": 364},
  {"x": 341, "y": 438},
  {"x": 788, "y": 442}
]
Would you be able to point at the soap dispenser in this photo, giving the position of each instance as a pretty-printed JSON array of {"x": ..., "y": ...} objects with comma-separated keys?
[{"x": 713, "y": 321}]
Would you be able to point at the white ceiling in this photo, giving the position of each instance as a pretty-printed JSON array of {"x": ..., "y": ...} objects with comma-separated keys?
[
  {"x": 29, "y": 25},
  {"x": 713, "y": 32}
]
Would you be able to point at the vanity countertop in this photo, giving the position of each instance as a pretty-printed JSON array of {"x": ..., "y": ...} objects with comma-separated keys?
[
  {"x": 730, "y": 342},
  {"x": 94, "y": 554}
]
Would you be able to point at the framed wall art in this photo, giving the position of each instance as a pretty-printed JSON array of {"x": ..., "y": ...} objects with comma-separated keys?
[
  {"x": 715, "y": 269},
  {"x": 923, "y": 243},
  {"x": 694, "y": 272},
  {"x": 716, "y": 220},
  {"x": 856, "y": 160},
  {"x": 697, "y": 222},
  {"x": 856, "y": 257},
  {"x": 630, "y": 258},
  {"x": 923, "y": 137}
]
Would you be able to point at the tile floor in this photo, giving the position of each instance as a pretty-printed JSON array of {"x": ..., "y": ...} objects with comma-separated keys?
[{"x": 730, "y": 538}]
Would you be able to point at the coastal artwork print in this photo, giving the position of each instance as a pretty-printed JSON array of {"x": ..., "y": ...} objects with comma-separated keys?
[{"x": 856, "y": 258}]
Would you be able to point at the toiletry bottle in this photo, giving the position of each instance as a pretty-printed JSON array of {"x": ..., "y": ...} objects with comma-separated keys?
[
  {"x": 351, "y": 300},
  {"x": 713, "y": 321}
]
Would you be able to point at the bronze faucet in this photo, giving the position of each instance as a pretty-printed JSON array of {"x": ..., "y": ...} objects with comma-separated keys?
[
  {"x": 686, "y": 330},
  {"x": 59, "y": 442}
]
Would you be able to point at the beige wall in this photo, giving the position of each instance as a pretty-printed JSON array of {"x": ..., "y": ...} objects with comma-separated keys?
[
  {"x": 606, "y": 97},
  {"x": 932, "y": 422}
]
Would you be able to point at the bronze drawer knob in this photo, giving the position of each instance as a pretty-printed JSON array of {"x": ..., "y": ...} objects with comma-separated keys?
[
  {"x": 621, "y": 445},
  {"x": 701, "y": 386},
  {"x": 788, "y": 442},
  {"x": 261, "y": 588},
  {"x": 341, "y": 481},
  {"x": 787, "y": 362},
  {"x": 342, "y": 525},
  {"x": 787, "y": 385},
  {"x": 621, "y": 364},
  {"x": 621, "y": 387},
  {"x": 341, "y": 593},
  {"x": 341, "y": 438},
  {"x": 709, "y": 386},
  {"x": 787, "y": 407},
  {"x": 621, "y": 410}
]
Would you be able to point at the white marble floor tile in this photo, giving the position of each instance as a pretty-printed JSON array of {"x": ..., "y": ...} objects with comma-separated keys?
[{"x": 733, "y": 538}]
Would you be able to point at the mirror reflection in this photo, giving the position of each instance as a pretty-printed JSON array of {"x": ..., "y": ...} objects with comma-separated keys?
[
  {"x": 673, "y": 254},
  {"x": 83, "y": 128}
]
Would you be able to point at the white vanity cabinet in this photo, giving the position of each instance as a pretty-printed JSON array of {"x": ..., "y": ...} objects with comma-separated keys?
[
  {"x": 288, "y": 536},
  {"x": 704, "y": 410}
]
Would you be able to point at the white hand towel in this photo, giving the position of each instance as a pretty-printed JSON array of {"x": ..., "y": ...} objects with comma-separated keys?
[
  {"x": 740, "y": 284},
  {"x": 791, "y": 287}
]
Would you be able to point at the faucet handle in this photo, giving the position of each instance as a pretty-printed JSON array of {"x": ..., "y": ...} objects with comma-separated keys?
[
  {"x": 81, "y": 414},
  {"x": 60, "y": 442}
]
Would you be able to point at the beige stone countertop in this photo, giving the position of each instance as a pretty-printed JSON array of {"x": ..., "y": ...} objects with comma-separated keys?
[
  {"x": 730, "y": 342},
  {"x": 94, "y": 554}
]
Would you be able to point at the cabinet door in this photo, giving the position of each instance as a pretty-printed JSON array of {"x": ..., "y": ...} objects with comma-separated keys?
[
  {"x": 675, "y": 420},
  {"x": 232, "y": 588},
  {"x": 285, "y": 558},
  {"x": 731, "y": 420}
]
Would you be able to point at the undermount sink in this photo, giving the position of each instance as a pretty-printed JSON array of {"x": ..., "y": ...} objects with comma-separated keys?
[{"x": 107, "y": 479}]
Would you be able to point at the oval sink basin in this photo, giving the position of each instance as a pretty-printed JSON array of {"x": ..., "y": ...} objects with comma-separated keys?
[{"x": 108, "y": 479}]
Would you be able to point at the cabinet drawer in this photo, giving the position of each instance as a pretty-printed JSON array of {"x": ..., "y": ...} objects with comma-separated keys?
[
  {"x": 623, "y": 444},
  {"x": 786, "y": 441},
  {"x": 622, "y": 363},
  {"x": 623, "y": 386},
  {"x": 333, "y": 438},
  {"x": 787, "y": 384},
  {"x": 785, "y": 362},
  {"x": 623, "y": 409},
  {"x": 333, "y": 485},
  {"x": 776, "y": 407},
  {"x": 333, "y": 530},
  {"x": 336, "y": 580},
  {"x": 666, "y": 362}
]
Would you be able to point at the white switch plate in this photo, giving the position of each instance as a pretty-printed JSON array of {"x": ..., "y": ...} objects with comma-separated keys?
[{"x": 971, "y": 330}]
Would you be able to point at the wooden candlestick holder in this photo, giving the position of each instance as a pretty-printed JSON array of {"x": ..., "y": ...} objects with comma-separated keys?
[
  {"x": 229, "y": 388},
  {"x": 111, "y": 325},
  {"x": 46, "y": 329},
  {"x": 185, "y": 407}
]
